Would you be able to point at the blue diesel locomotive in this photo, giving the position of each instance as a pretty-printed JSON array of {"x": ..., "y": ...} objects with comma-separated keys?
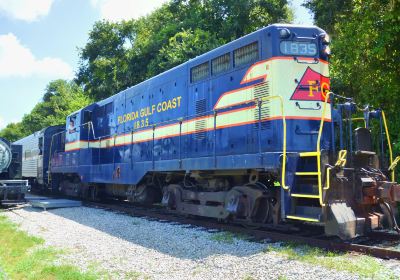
[{"x": 248, "y": 132}]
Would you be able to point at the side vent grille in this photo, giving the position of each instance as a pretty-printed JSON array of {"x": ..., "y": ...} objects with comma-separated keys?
[
  {"x": 200, "y": 125},
  {"x": 261, "y": 91}
]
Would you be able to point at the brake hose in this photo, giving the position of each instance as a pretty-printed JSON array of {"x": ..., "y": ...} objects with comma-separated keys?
[{"x": 389, "y": 208}]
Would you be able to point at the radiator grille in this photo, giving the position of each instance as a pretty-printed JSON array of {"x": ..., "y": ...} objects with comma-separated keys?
[{"x": 261, "y": 91}]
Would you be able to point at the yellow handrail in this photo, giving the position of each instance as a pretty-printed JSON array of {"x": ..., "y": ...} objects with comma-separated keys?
[
  {"x": 328, "y": 178},
  {"x": 341, "y": 162},
  {"x": 321, "y": 126},
  {"x": 284, "y": 137},
  {"x": 360, "y": 119},
  {"x": 389, "y": 144},
  {"x": 394, "y": 163}
]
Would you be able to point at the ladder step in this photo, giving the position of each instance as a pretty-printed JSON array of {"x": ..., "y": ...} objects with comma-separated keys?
[
  {"x": 304, "y": 195},
  {"x": 307, "y": 173},
  {"x": 305, "y": 218},
  {"x": 309, "y": 154}
]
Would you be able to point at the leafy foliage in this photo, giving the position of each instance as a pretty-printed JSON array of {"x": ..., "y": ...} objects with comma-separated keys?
[
  {"x": 366, "y": 52},
  {"x": 60, "y": 99},
  {"x": 119, "y": 55}
]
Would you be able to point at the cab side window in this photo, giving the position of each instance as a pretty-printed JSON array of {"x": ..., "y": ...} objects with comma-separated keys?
[{"x": 72, "y": 124}]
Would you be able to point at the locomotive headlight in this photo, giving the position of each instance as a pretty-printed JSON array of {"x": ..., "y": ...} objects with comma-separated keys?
[
  {"x": 326, "y": 50},
  {"x": 284, "y": 33},
  {"x": 326, "y": 40}
]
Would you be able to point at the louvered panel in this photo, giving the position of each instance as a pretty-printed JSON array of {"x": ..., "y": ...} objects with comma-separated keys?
[
  {"x": 261, "y": 91},
  {"x": 246, "y": 54},
  {"x": 200, "y": 125},
  {"x": 199, "y": 72},
  {"x": 220, "y": 64}
]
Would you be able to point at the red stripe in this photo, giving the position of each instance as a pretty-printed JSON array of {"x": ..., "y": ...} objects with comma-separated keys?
[{"x": 210, "y": 129}]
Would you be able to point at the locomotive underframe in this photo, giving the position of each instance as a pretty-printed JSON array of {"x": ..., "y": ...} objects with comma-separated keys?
[{"x": 356, "y": 203}]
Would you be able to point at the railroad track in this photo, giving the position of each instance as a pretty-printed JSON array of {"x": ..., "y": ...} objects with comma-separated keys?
[{"x": 372, "y": 245}]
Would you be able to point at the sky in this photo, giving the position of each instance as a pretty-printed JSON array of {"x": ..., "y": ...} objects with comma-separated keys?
[{"x": 39, "y": 42}]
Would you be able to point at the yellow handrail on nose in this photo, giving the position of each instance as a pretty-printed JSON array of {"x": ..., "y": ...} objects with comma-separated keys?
[
  {"x": 389, "y": 144},
  {"x": 321, "y": 127},
  {"x": 283, "y": 183}
]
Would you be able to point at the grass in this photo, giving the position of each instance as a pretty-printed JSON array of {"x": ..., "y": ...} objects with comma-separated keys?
[
  {"x": 228, "y": 237},
  {"x": 23, "y": 256},
  {"x": 134, "y": 275},
  {"x": 364, "y": 266},
  {"x": 248, "y": 277}
]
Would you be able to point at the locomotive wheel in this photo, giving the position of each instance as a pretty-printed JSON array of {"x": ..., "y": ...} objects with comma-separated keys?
[
  {"x": 249, "y": 205},
  {"x": 147, "y": 194},
  {"x": 171, "y": 197},
  {"x": 93, "y": 190},
  {"x": 261, "y": 212}
]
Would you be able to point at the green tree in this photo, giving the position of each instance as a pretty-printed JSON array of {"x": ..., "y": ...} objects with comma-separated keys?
[
  {"x": 104, "y": 60},
  {"x": 59, "y": 100},
  {"x": 327, "y": 13},
  {"x": 366, "y": 52},
  {"x": 12, "y": 132},
  {"x": 119, "y": 55},
  {"x": 182, "y": 46},
  {"x": 123, "y": 54}
]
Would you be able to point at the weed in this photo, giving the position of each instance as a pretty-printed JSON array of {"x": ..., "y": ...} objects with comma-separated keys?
[
  {"x": 228, "y": 237},
  {"x": 23, "y": 256},
  {"x": 364, "y": 266}
]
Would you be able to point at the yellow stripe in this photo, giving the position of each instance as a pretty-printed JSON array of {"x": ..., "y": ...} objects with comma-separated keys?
[
  {"x": 234, "y": 118},
  {"x": 302, "y": 218},
  {"x": 309, "y": 154},
  {"x": 306, "y": 173},
  {"x": 257, "y": 71},
  {"x": 304, "y": 195}
]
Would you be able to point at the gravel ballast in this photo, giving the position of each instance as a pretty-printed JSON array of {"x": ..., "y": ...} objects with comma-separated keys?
[{"x": 134, "y": 248}]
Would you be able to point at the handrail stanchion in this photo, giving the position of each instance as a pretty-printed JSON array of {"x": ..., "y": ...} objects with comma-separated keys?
[
  {"x": 333, "y": 128},
  {"x": 131, "y": 149},
  {"x": 152, "y": 150},
  {"x": 99, "y": 153},
  {"x": 389, "y": 144},
  {"x": 88, "y": 135},
  {"x": 215, "y": 138},
  {"x": 321, "y": 126},
  {"x": 180, "y": 143},
  {"x": 259, "y": 104}
]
